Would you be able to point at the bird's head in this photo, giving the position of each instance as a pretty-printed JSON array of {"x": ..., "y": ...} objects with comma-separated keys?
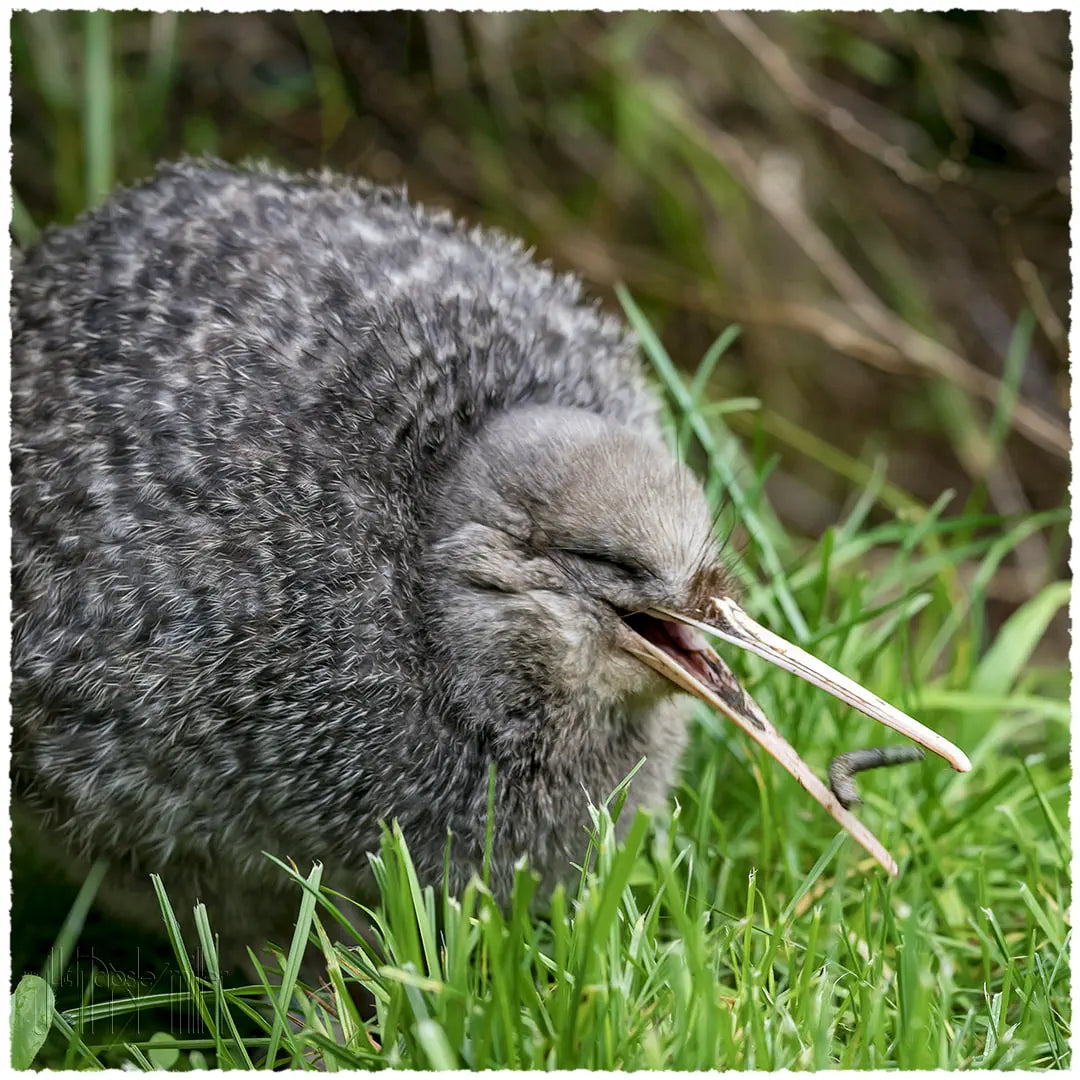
[
  {"x": 573, "y": 559},
  {"x": 558, "y": 529}
]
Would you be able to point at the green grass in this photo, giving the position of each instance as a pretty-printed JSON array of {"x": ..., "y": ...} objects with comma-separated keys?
[{"x": 740, "y": 931}]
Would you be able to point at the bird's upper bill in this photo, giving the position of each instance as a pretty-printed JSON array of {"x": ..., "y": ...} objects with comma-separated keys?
[{"x": 673, "y": 644}]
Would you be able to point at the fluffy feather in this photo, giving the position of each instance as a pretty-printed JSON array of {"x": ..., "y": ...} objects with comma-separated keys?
[{"x": 322, "y": 502}]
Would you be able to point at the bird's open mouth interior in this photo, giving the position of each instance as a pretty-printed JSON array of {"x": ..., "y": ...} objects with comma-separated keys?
[
  {"x": 688, "y": 647},
  {"x": 675, "y": 645},
  {"x": 684, "y": 644}
]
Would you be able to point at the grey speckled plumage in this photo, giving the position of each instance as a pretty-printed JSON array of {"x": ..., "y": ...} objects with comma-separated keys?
[{"x": 322, "y": 502}]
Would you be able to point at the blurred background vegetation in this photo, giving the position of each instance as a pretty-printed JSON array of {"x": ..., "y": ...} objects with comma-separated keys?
[{"x": 879, "y": 200}]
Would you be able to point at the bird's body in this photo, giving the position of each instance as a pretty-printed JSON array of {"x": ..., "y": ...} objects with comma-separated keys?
[
  {"x": 246, "y": 416},
  {"x": 322, "y": 505}
]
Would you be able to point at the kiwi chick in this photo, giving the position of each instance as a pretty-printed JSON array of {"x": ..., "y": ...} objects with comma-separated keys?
[{"x": 323, "y": 502}]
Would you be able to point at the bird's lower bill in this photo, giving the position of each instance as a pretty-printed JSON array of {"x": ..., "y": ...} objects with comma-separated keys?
[{"x": 673, "y": 644}]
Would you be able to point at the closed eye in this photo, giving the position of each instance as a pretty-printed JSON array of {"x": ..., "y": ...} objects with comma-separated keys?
[{"x": 618, "y": 561}]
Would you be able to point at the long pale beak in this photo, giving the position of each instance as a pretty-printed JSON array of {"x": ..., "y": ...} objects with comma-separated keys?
[{"x": 669, "y": 643}]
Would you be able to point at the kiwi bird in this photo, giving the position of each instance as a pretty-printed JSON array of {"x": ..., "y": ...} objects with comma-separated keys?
[{"x": 322, "y": 503}]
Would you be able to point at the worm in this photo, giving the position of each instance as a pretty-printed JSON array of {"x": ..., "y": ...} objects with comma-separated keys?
[{"x": 843, "y": 767}]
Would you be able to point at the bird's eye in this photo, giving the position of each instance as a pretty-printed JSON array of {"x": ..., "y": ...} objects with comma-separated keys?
[{"x": 621, "y": 563}]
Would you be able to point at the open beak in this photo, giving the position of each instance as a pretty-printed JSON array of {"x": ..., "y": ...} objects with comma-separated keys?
[{"x": 672, "y": 644}]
